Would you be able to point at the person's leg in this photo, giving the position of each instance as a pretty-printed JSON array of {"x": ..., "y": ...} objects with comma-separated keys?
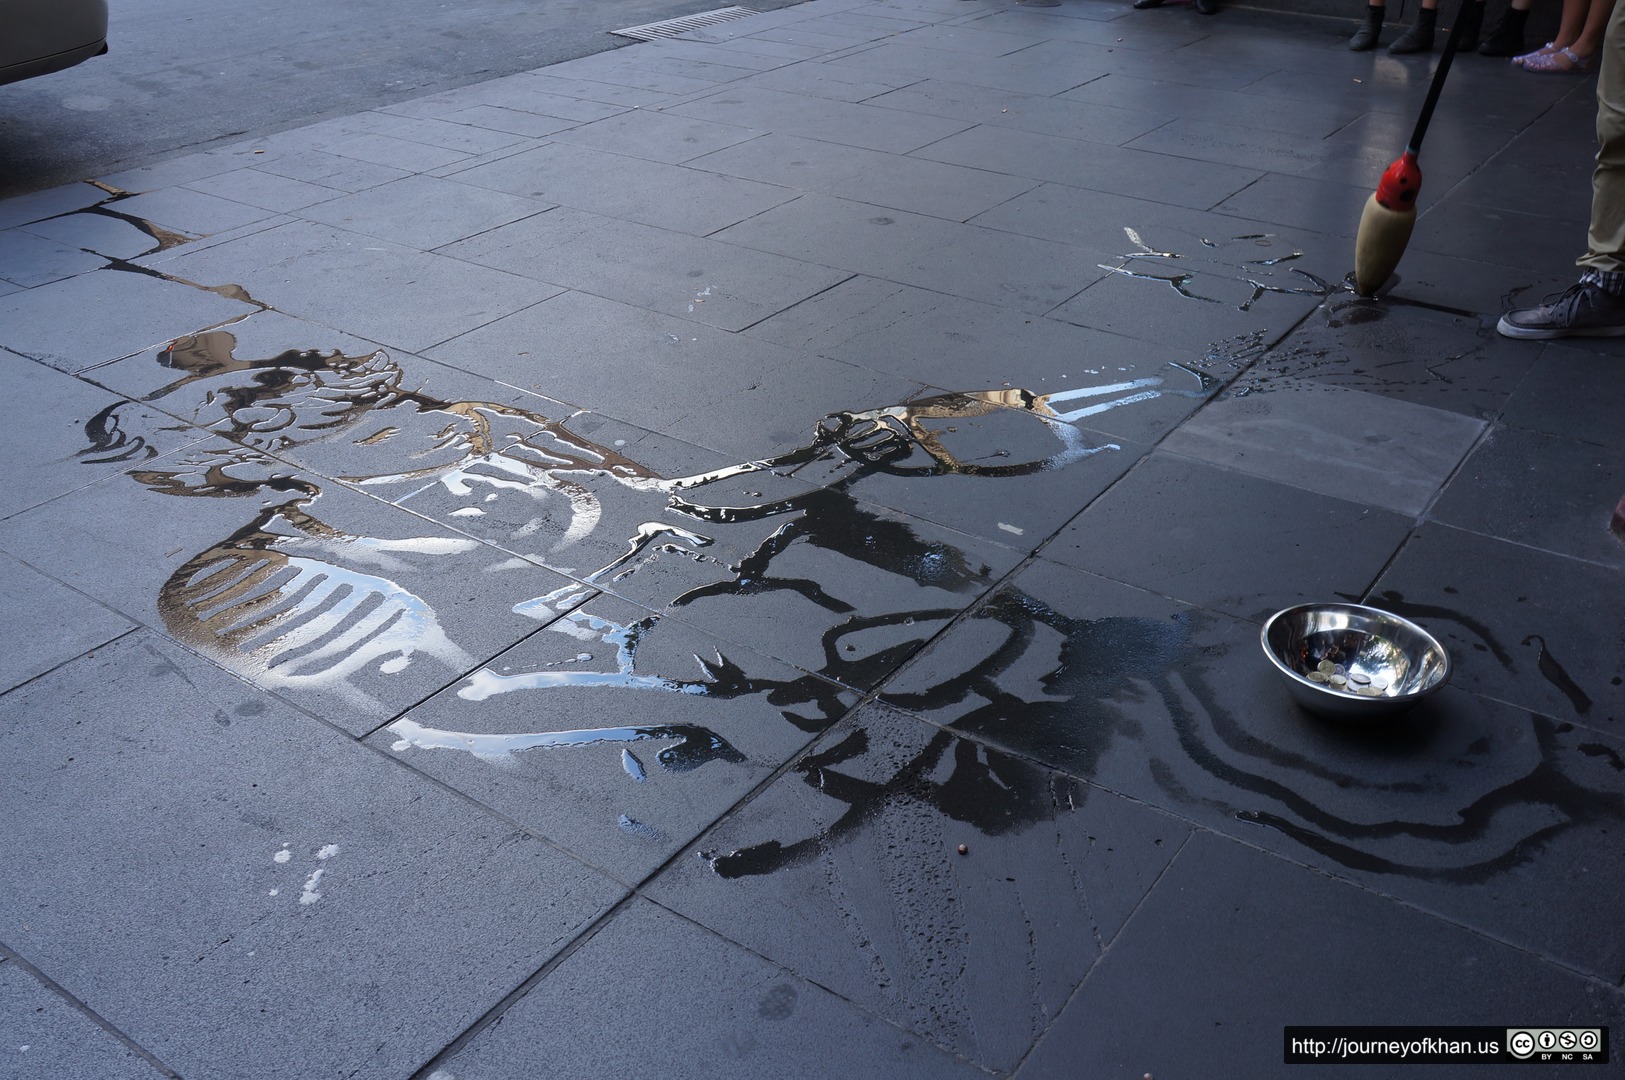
[
  {"x": 1595, "y": 305},
  {"x": 1506, "y": 38},
  {"x": 1419, "y": 38},
  {"x": 1605, "y": 240},
  {"x": 1365, "y": 38},
  {"x": 1578, "y": 53},
  {"x": 1589, "y": 40},
  {"x": 1568, "y": 28},
  {"x": 1472, "y": 17}
]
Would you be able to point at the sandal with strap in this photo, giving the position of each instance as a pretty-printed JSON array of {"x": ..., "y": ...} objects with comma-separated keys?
[
  {"x": 1561, "y": 62},
  {"x": 1545, "y": 50}
]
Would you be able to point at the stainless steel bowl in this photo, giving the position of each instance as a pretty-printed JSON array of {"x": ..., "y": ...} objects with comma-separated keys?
[{"x": 1353, "y": 662}]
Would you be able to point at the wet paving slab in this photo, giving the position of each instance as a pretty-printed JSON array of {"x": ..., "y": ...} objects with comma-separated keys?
[
  {"x": 1569, "y": 392},
  {"x": 1348, "y": 444},
  {"x": 724, "y": 391},
  {"x": 998, "y": 464},
  {"x": 1162, "y": 528},
  {"x": 1490, "y": 815},
  {"x": 1398, "y": 349},
  {"x": 1195, "y": 250},
  {"x": 826, "y": 583},
  {"x": 540, "y": 734},
  {"x": 1241, "y": 945},
  {"x": 303, "y": 586},
  {"x": 855, "y": 851},
  {"x": 1543, "y": 491},
  {"x": 742, "y": 1014},
  {"x": 232, "y": 830},
  {"x": 1471, "y": 289},
  {"x": 1528, "y": 627},
  {"x": 1200, "y": 314},
  {"x": 1123, "y": 388}
]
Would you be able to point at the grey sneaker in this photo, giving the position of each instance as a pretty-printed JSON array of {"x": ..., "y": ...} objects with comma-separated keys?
[{"x": 1584, "y": 309}]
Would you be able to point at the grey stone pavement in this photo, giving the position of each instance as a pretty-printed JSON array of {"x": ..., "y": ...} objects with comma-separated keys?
[{"x": 541, "y": 580}]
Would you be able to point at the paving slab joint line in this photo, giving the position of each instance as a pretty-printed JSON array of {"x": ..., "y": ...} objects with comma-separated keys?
[
  {"x": 1602, "y": 526},
  {"x": 136, "y": 626},
  {"x": 495, "y": 1012},
  {"x": 1032, "y": 1046},
  {"x": 450, "y": 1051},
  {"x": 832, "y": 991},
  {"x": 798, "y": 303},
  {"x": 1198, "y": 826},
  {"x": 1518, "y": 707},
  {"x": 540, "y": 628},
  {"x": 1550, "y": 961},
  {"x": 7, "y": 953},
  {"x": 485, "y": 232}
]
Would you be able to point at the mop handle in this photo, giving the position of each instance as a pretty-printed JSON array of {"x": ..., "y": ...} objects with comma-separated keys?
[{"x": 1414, "y": 147}]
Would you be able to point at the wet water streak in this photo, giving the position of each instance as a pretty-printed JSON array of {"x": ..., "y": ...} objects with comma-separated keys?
[
  {"x": 1553, "y": 672},
  {"x": 1070, "y": 722},
  {"x": 1182, "y": 283}
]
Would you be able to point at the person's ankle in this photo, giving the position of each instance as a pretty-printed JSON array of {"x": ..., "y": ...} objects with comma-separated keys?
[{"x": 1609, "y": 281}]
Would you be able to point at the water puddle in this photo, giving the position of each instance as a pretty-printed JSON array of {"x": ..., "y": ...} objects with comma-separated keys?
[
  {"x": 163, "y": 239},
  {"x": 989, "y": 791},
  {"x": 1031, "y": 679},
  {"x": 1220, "y": 272}
]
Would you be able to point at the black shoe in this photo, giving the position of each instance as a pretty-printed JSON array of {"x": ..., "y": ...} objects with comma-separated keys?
[
  {"x": 1419, "y": 38},
  {"x": 1207, "y": 7},
  {"x": 1472, "y": 24},
  {"x": 1141, "y": 5},
  {"x": 1584, "y": 309},
  {"x": 1507, "y": 37},
  {"x": 1365, "y": 38}
]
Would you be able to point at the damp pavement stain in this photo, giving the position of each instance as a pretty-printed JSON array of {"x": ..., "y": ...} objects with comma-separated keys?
[
  {"x": 858, "y": 845},
  {"x": 1397, "y": 348},
  {"x": 1171, "y": 704}
]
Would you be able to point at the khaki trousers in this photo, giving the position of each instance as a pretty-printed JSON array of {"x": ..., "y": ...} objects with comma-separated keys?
[{"x": 1605, "y": 241}]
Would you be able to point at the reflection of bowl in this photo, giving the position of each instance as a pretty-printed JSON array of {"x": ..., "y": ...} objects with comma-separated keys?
[{"x": 1345, "y": 660}]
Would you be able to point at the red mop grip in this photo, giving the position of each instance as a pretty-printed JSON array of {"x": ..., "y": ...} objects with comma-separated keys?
[{"x": 1400, "y": 184}]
